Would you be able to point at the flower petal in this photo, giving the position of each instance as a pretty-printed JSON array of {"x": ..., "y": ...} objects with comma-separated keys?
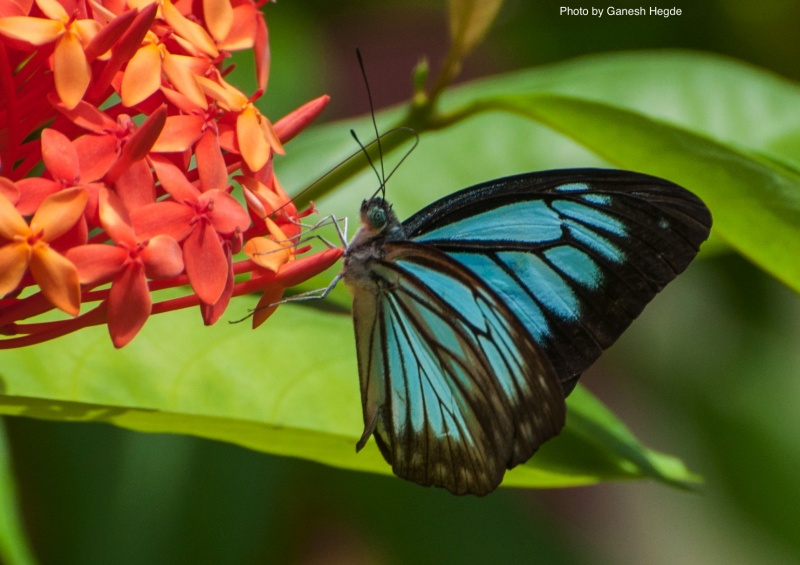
[
  {"x": 226, "y": 213},
  {"x": 162, "y": 258},
  {"x": 252, "y": 144},
  {"x": 187, "y": 29},
  {"x": 57, "y": 277},
  {"x": 139, "y": 143},
  {"x": 206, "y": 263},
  {"x": 259, "y": 197},
  {"x": 227, "y": 97},
  {"x": 59, "y": 212},
  {"x": 144, "y": 137},
  {"x": 129, "y": 304},
  {"x": 242, "y": 32},
  {"x": 271, "y": 137},
  {"x": 210, "y": 162},
  {"x": 173, "y": 180},
  {"x": 135, "y": 186},
  {"x": 179, "y": 73},
  {"x": 33, "y": 190},
  {"x": 72, "y": 72},
  {"x": 115, "y": 219},
  {"x": 36, "y": 31},
  {"x": 85, "y": 115},
  {"x": 96, "y": 262},
  {"x": 142, "y": 76},
  {"x": 267, "y": 304},
  {"x": 213, "y": 312},
  {"x": 60, "y": 156},
  {"x": 11, "y": 221},
  {"x": 53, "y": 10},
  {"x": 14, "y": 258},
  {"x": 179, "y": 134},
  {"x": 14, "y": 8},
  {"x": 218, "y": 15},
  {"x": 162, "y": 218},
  {"x": 181, "y": 101},
  {"x": 267, "y": 253},
  {"x": 86, "y": 31},
  {"x": 9, "y": 190},
  {"x": 96, "y": 154}
]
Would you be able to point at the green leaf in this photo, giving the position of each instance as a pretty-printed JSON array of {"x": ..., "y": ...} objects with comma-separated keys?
[
  {"x": 14, "y": 548},
  {"x": 290, "y": 389},
  {"x": 714, "y": 96}
]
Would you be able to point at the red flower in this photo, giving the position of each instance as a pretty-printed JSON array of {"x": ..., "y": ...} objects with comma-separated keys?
[
  {"x": 128, "y": 263},
  {"x": 202, "y": 221}
]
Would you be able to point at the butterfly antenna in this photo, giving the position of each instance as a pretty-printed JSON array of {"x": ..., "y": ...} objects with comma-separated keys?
[
  {"x": 413, "y": 132},
  {"x": 381, "y": 180},
  {"x": 374, "y": 122}
]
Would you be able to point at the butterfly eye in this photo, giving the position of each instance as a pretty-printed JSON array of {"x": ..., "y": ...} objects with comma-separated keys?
[{"x": 376, "y": 217}]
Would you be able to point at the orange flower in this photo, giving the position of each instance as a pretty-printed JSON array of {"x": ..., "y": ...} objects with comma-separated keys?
[
  {"x": 255, "y": 137},
  {"x": 28, "y": 246},
  {"x": 71, "y": 37},
  {"x": 128, "y": 263},
  {"x": 142, "y": 76}
]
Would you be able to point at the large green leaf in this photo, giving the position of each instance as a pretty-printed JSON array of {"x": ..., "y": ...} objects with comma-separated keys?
[
  {"x": 288, "y": 389},
  {"x": 715, "y": 96}
]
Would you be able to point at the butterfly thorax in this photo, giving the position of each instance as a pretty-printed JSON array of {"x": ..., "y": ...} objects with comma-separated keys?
[{"x": 379, "y": 224}]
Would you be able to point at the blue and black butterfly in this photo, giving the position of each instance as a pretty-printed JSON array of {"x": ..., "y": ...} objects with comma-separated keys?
[{"x": 475, "y": 317}]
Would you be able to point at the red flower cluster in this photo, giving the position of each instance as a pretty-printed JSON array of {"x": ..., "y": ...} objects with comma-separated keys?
[{"x": 118, "y": 139}]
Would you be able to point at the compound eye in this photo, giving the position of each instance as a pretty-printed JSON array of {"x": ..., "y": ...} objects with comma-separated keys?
[{"x": 376, "y": 217}]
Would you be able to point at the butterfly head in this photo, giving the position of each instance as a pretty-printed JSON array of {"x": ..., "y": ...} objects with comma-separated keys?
[{"x": 377, "y": 215}]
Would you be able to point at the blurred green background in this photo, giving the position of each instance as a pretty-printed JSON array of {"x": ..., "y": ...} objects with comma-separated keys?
[{"x": 708, "y": 373}]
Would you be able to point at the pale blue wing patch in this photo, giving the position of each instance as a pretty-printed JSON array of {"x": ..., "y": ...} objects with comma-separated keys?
[
  {"x": 572, "y": 187},
  {"x": 576, "y": 265},
  {"x": 524, "y": 221}
]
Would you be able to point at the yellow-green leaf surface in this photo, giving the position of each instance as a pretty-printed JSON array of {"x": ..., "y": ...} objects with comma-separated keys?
[{"x": 288, "y": 389}]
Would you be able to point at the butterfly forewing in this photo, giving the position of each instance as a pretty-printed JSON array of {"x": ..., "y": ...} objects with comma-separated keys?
[
  {"x": 454, "y": 388},
  {"x": 575, "y": 254}
]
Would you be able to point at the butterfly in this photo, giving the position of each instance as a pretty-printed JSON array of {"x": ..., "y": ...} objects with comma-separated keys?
[{"x": 475, "y": 317}]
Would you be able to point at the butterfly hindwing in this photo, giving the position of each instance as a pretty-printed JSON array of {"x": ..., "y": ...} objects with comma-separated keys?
[
  {"x": 453, "y": 387},
  {"x": 575, "y": 254}
]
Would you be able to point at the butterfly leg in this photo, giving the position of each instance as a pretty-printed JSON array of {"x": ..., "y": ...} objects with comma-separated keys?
[{"x": 318, "y": 294}]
